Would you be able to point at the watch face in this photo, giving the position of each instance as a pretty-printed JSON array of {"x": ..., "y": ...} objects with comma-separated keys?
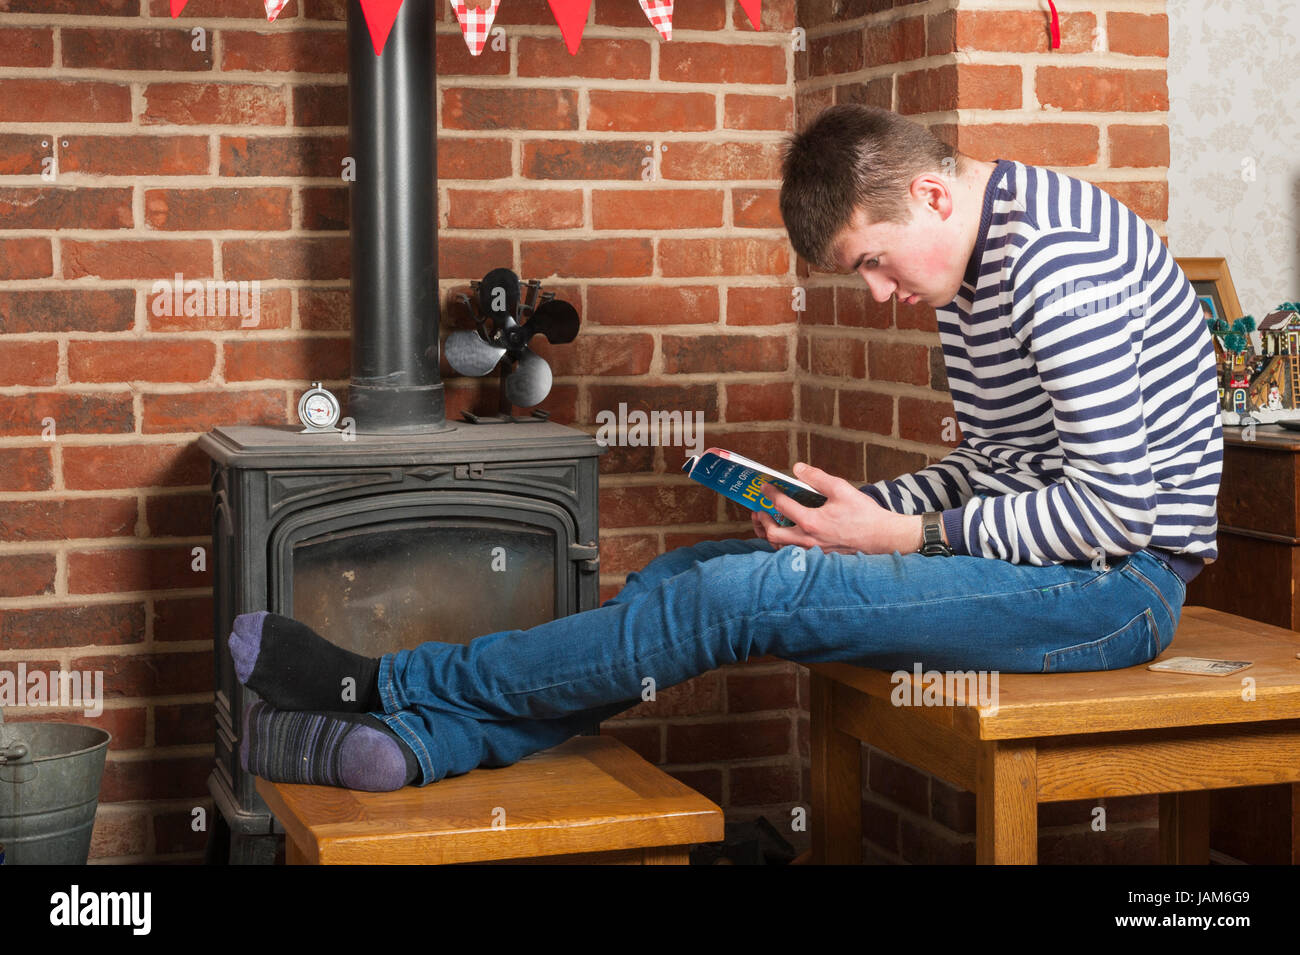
[{"x": 319, "y": 410}]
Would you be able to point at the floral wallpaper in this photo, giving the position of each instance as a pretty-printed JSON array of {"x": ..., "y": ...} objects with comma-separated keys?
[{"x": 1234, "y": 141}]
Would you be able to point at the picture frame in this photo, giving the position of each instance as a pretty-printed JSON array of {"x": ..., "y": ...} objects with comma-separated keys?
[{"x": 1213, "y": 282}]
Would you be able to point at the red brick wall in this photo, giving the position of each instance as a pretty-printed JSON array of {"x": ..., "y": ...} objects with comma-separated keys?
[
  {"x": 873, "y": 400},
  {"x": 226, "y": 163}
]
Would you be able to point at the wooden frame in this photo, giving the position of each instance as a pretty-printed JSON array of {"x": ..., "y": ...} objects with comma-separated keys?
[{"x": 1211, "y": 279}]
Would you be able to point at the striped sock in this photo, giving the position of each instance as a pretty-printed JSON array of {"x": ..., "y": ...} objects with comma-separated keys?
[{"x": 349, "y": 750}]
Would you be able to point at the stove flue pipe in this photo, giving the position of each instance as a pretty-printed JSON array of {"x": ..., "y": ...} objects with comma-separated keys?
[{"x": 396, "y": 387}]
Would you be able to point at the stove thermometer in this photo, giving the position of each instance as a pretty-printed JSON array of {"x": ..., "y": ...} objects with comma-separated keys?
[{"x": 318, "y": 409}]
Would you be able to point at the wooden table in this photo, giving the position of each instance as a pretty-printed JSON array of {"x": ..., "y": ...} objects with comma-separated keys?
[
  {"x": 588, "y": 800},
  {"x": 1060, "y": 736}
]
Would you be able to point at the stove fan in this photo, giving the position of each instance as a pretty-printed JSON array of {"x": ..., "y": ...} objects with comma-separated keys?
[{"x": 525, "y": 375}]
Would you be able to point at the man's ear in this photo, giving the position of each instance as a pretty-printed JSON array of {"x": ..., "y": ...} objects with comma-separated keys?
[{"x": 935, "y": 191}]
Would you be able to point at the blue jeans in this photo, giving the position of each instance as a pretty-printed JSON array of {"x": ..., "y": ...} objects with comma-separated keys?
[{"x": 505, "y": 695}]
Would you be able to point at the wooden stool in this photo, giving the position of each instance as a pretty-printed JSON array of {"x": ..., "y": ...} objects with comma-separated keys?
[
  {"x": 588, "y": 800},
  {"x": 1060, "y": 736}
]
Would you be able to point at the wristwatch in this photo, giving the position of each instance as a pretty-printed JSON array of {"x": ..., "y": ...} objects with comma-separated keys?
[{"x": 932, "y": 544}]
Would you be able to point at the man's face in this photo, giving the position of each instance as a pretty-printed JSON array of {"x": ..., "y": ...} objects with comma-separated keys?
[{"x": 920, "y": 261}]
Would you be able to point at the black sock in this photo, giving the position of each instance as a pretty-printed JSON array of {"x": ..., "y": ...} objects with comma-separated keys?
[
  {"x": 294, "y": 668},
  {"x": 349, "y": 750}
]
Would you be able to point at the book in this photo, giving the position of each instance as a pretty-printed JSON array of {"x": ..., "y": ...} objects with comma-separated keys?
[
  {"x": 736, "y": 477},
  {"x": 1201, "y": 665}
]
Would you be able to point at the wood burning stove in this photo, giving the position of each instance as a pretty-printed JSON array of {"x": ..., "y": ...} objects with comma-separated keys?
[{"x": 406, "y": 527}]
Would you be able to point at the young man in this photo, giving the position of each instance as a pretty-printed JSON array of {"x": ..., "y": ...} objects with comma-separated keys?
[{"x": 1058, "y": 535}]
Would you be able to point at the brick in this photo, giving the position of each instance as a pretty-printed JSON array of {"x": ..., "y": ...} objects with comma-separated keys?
[
  {"x": 622, "y": 553},
  {"x": 1138, "y": 145},
  {"x": 213, "y": 9},
  {"x": 838, "y": 357},
  {"x": 657, "y": 305},
  {"x": 756, "y": 208},
  {"x": 744, "y": 161},
  {"x": 126, "y": 569},
  {"x": 620, "y": 59},
  {"x": 26, "y": 575},
  {"x": 776, "y": 16},
  {"x": 126, "y": 724},
  {"x": 922, "y": 420},
  {"x": 1046, "y": 144},
  {"x": 918, "y": 317},
  {"x": 754, "y": 692},
  {"x": 964, "y": 86},
  {"x": 952, "y": 807},
  {"x": 321, "y": 258},
  {"x": 898, "y": 361},
  {"x": 472, "y": 258},
  {"x": 305, "y": 359},
  {"x": 768, "y": 402},
  {"x": 67, "y": 519},
  {"x": 837, "y": 456},
  {"x": 135, "y": 155},
  {"x": 831, "y": 55},
  {"x": 771, "y": 446},
  {"x": 73, "y": 413},
  {"x": 320, "y": 51},
  {"x": 473, "y": 158},
  {"x": 923, "y": 844},
  {"x": 866, "y": 411},
  {"x": 97, "y": 8},
  {"x": 1150, "y": 200},
  {"x": 66, "y": 207},
  {"x": 1018, "y": 31},
  {"x": 703, "y": 742},
  {"x": 724, "y": 354},
  {"x": 140, "y": 360},
  {"x": 1137, "y": 34},
  {"x": 325, "y": 208},
  {"x": 216, "y": 210},
  {"x": 139, "y": 779},
  {"x": 686, "y": 62},
  {"x": 628, "y": 110},
  {"x": 817, "y": 404},
  {"x": 184, "y": 724},
  {"x": 153, "y": 51},
  {"x": 317, "y": 157},
  {"x": 182, "y": 618},
  {"x": 26, "y": 469},
  {"x": 325, "y": 310},
  {"x": 514, "y": 209},
  {"x": 26, "y": 259},
  {"x": 627, "y": 460},
  {"x": 938, "y": 370},
  {"x": 878, "y": 92},
  {"x": 24, "y": 47},
  {"x": 771, "y": 305},
  {"x": 558, "y": 159},
  {"x": 24, "y": 154},
  {"x": 597, "y": 258},
  {"x": 764, "y": 785},
  {"x": 884, "y": 463},
  {"x": 657, "y": 209},
  {"x": 455, "y": 59},
  {"x": 323, "y": 105},
  {"x": 645, "y": 741},
  {"x": 656, "y": 505},
  {"x": 141, "y": 259},
  {"x": 466, "y": 107},
  {"x": 1102, "y": 90},
  {"x": 179, "y": 515},
  {"x": 203, "y": 410},
  {"x": 599, "y": 355},
  {"x": 532, "y": 12},
  {"x": 809, "y": 102},
  {"x": 855, "y": 308},
  {"x": 745, "y": 111},
  {"x": 271, "y": 308},
  {"x": 898, "y": 782},
  {"x": 680, "y": 257},
  {"x": 64, "y": 101},
  {"x": 215, "y": 104},
  {"x": 896, "y": 42},
  {"x": 701, "y": 694},
  {"x": 28, "y": 363}
]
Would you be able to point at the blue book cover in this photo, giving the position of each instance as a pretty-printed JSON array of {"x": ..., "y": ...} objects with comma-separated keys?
[{"x": 740, "y": 479}]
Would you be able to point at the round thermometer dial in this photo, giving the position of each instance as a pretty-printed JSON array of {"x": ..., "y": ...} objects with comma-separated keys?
[{"x": 318, "y": 409}]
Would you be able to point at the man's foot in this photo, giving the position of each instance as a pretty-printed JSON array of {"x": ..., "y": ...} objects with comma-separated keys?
[
  {"x": 294, "y": 668},
  {"x": 352, "y": 751}
]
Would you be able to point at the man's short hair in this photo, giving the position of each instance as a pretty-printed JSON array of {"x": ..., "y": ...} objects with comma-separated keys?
[{"x": 850, "y": 157}]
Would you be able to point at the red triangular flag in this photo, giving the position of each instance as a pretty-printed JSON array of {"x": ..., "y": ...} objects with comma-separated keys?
[
  {"x": 571, "y": 15},
  {"x": 273, "y": 9},
  {"x": 753, "y": 10},
  {"x": 380, "y": 15},
  {"x": 178, "y": 6}
]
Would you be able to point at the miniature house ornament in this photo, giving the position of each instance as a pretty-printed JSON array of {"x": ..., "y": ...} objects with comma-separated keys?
[{"x": 1259, "y": 368}]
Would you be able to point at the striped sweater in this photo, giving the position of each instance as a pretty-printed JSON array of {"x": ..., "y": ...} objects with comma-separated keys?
[{"x": 1083, "y": 379}]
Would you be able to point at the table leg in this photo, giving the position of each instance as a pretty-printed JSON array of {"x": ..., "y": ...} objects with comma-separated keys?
[
  {"x": 836, "y": 783},
  {"x": 1006, "y": 804},
  {"x": 1185, "y": 828}
]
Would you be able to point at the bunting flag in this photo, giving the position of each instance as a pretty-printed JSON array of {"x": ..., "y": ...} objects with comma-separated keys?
[
  {"x": 660, "y": 15},
  {"x": 380, "y": 15},
  {"x": 1056, "y": 27},
  {"x": 475, "y": 21},
  {"x": 753, "y": 10},
  {"x": 273, "y": 8},
  {"x": 177, "y": 7},
  {"x": 571, "y": 15}
]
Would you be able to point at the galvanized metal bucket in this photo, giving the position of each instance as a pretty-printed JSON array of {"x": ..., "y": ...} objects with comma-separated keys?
[{"x": 49, "y": 792}]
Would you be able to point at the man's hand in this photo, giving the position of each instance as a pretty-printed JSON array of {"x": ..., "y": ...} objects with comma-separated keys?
[{"x": 849, "y": 522}]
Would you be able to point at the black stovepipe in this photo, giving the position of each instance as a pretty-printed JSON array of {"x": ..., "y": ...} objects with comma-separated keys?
[{"x": 395, "y": 387}]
